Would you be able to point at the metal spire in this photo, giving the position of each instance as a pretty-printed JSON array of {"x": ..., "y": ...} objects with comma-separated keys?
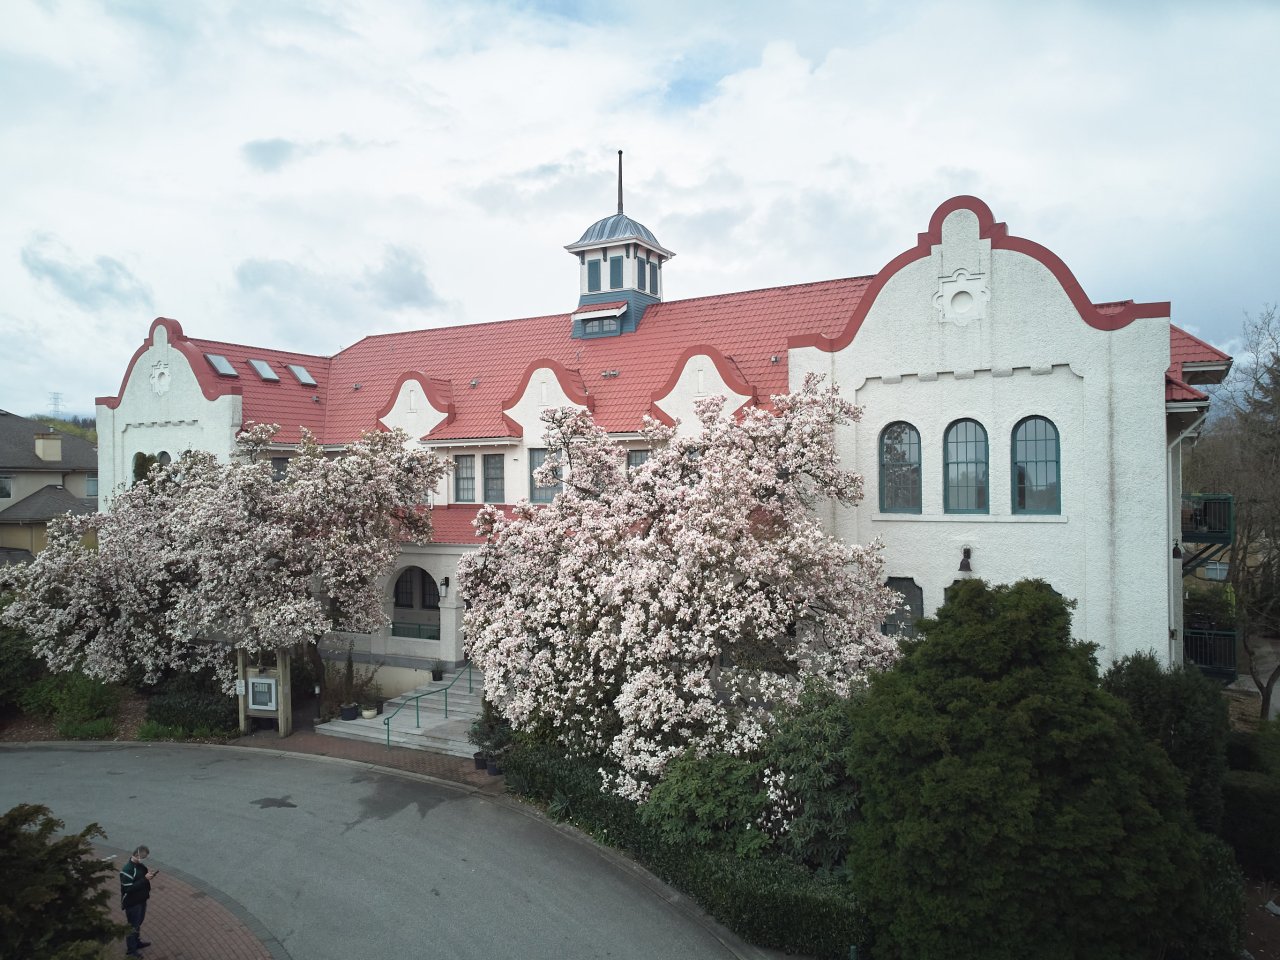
[{"x": 619, "y": 183}]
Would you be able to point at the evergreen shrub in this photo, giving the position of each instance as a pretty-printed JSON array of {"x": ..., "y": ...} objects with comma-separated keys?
[
  {"x": 767, "y": 900},
  {"x": 1258, "y": 750},
  {"x": 103, "y": 728},
  {"x": 1010, "y": 806},
  {"x": 190, "y": 709},
  {"x": 71, "y": 698},
  {"x": 19, "y": 667},
  {"x": 1184, "y": 712},
  {"x": 1251, "y": 820}
]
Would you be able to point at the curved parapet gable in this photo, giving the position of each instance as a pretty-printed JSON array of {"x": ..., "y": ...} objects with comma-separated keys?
[
  {"x": 166, "y": 331},
  {"x": 521, "y": 410},
  {"x": 997, "y": 233},
  {"x": 416, "y": 418},
  {"x": 689, "y": 382}
]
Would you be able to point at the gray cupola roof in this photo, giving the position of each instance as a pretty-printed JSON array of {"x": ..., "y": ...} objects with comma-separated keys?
[{"x": 617, "y": 229}]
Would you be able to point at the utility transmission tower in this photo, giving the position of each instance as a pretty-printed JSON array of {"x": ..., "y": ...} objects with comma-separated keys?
[{"x": 55, "y": 404}]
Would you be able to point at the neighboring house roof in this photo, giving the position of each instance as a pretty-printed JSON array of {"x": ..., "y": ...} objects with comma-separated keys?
[
  {"x": 13, "y": 555},
  {"x": 45, "y": 504},
  {"x": 18, "y": 447}
]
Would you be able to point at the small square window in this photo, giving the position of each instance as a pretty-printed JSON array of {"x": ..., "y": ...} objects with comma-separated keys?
[
  {"x": 91, "y": 485},
  {"x": 593, "y": 276},
  {"x": 6, "y": 488},
  {"x": 279, "y": 467},
  {"x": 615, "y": 273},
  {"x": 636, "y": 457}
]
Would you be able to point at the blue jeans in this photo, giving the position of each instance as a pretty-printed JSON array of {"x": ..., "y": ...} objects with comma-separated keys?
[{"x": 134, "y": 916}]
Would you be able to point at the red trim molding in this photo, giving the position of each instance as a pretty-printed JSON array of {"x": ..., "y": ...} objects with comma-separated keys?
[
  {"x": 998, "y": 233},
  {"x": 439, "y": 394},
  {"x": 727, "y": 369},
  {"x": 211, "y": 385}
]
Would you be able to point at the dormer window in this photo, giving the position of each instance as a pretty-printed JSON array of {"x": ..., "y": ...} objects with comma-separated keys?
[
  {"x": 593, "y": 276},
  {"x": 301, "y": 374},
  {"x": 615, "y": 273},
  {"x": 221, "y": 365},
  {"x": 263, "y": 369}
]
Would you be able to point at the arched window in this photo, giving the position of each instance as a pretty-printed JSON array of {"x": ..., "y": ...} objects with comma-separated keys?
[
  {"x": 964, "y": 451},
  {"x": 404, "y": 589},
  {"x": 1036, "y": 477},
  {"x": 902, "y": 622},
  {"x": 899, "y": 469},
  {"x": 430, "y": 592}
]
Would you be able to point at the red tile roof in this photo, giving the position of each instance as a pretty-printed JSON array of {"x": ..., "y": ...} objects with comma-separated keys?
[
  {"x": 1187, "y": 348},
  {"x": 286, "y": 402},
  {"x": 452, "y": 523},
  {"x": 745, "y": 329}
]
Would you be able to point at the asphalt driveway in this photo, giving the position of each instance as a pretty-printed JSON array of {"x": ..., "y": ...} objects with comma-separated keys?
[{"x": 336, "y": 861}]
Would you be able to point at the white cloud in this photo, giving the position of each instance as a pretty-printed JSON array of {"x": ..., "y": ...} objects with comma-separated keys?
[{"x": 300, "y": 177}]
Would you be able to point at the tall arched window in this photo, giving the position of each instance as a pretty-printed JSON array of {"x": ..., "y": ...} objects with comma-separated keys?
[
  {"x": 902, "y": 622},
  {"x": 900, "y": 469},
  {"x": 1036, "y": 476},
  {"x": 965, "y": 468}
]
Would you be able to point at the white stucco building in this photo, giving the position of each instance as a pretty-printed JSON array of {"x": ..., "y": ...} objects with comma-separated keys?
[{"x": 1012, "y": 426}]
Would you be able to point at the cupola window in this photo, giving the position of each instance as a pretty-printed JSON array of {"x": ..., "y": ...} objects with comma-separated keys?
[
  {"x": 642, "y": 268},
  {"x": 615, "y": 273},
  {"x": 593, "y": 276}
]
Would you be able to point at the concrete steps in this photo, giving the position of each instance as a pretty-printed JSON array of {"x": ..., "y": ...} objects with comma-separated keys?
[{"x": 428, "y": 728}]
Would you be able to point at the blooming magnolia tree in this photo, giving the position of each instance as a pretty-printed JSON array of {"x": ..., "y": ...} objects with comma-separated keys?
[
  {"x": 672, "y": 605},
  {"x": 206, "y": 554}
]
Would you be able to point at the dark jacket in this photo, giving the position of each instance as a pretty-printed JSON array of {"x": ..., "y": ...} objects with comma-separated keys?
[{"x": 135, "y": 888}]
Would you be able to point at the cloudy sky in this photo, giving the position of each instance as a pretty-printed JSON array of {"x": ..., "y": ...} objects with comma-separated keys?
[{"x": 300, "y": 175}]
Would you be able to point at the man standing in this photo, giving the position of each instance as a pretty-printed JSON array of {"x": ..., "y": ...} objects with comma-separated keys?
[{"x": 135, "y": 888}]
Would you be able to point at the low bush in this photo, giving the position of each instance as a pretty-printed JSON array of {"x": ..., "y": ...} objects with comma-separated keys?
[
  {"x": 71, "y": 697},
  {"x": 150, "y": 730},
  {"x": 104, "y": 728},
  {"x": 1210, "y": 923},
  {"x": 189, "y": 710},
  {"x": 1258, "y": 751},
  {"x": 19, "y": 667},
  {"x": 769, "y": 901},
  {"x": 1251, "y": 820},
  {"x": 714, "y": 802}
]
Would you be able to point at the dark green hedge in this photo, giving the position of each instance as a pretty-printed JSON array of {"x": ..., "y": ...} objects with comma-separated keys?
[
  {"x": 1251, "y": 820},
  {"x": 1258, "y": 751},
  {"x": 191, "y": 710},
  {"x": 771, "y": 902}
]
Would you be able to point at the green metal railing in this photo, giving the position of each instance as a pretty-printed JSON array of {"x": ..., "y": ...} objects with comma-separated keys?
[
  {"x": 1213, "y": 651},
  {"x": 417, "y": 701},
  {"x": 422, "y": 631},
  {"x": 1208, "y": 518}
]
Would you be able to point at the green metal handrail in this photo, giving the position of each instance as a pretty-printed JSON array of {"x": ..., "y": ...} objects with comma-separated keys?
[
  {"x": 417, "y": 701},
  {"x": 422, "y": 631}
]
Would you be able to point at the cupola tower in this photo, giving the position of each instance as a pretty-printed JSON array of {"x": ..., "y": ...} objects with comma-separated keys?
[{"x": 620, "y": 265}]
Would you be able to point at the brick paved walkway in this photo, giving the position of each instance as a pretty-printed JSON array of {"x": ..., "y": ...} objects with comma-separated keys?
[{"x": 187, "y": 920}]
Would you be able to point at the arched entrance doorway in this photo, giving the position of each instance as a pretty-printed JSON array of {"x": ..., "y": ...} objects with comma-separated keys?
[{"x": 416, "y": 605}]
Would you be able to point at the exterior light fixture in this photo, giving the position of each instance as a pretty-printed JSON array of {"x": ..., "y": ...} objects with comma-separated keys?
[
  {"x": 444, "y": 586},
  {"x": 965, "y": 566},
  {"x": 1177, "y": 551}
]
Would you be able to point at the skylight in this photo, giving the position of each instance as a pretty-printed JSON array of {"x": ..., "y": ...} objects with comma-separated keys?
[
  {"x": 263, "y": 369},
  {"x": 221, "y": 364},
  {"x": 299, "y": 371}
]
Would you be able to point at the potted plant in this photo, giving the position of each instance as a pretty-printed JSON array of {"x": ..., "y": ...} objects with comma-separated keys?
[
  {"x": 349, "y": 707},
  {"x": 492, "y": 736},
  {"x": 368, "y": 713},
  {"x": 437, "y": 670}
]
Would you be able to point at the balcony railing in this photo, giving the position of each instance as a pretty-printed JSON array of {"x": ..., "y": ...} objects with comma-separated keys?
[
  {"x": 420, "y": 631},
  {"x": 1208, "y": 518},
  {"x": 1213, "y": 651}
]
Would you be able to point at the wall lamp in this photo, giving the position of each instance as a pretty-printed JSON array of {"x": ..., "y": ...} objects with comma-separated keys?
[
  {"x": 1177, "y": 551},
  {"x": 444, "y": 586},
  {"x": 965, "y": 566}
]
